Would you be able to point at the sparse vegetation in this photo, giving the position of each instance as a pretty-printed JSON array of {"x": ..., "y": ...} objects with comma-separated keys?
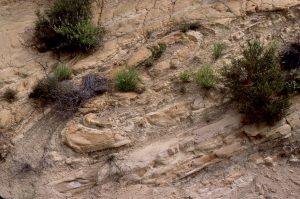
[
  {"x": 62, "y": 72},
  {"x": 290, "y": 63},
  {"x": 206, "y": 77},
  {"x": 149, "y": 62},
  {"x": 184, "y": 27},
  {"x": 10, "y": 95},
  {"x": 292, "y": 84},
  {"x": 185, "y": 76},
  {"x": 157, "y": 52},
  {"x": 67, "y": 25},
  {"x": 218, "y": 50},
  {"x": 66, "y": 96},
  {"x": 45, "y": 88},
  {"x": 126, "y": 79},
  {"x": 256, "y": 83}
]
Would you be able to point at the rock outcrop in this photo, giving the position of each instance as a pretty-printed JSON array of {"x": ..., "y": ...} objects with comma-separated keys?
[
  {"x": 84, "y": 139},
  {"x": 186, "y": 141}
]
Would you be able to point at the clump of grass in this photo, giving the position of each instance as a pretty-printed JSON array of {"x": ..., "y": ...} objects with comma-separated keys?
[
  {"x": 218, "y": 50},
  {"x": 257, "y": 84},
  {"x": 10, "y": 95},
  {"x": 126, "y": 79},
  {"x": 63, "y": 72},
  {"x": 67, "y": 25},
  {"x": 185, "y": 76},
  {"x": 206, "y": 77}
]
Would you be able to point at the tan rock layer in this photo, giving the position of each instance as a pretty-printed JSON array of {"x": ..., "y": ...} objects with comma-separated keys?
[{"x": 84, "y": 139}]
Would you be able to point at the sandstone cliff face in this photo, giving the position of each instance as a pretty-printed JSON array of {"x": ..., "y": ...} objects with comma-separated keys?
[{"x": 172, "y": 140}]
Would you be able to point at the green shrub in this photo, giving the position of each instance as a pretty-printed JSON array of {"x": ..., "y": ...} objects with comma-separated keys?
[
  {"x": 185, "y": 76},
  {"x": 10, "y": 95},
  {"x": 218, "y": 50},
  {"x": 257, "y": 84},
  {"x": 126, "y": 79},
  {"x": 82, "y": 35},
  {"x": 63, "y": 72},
  {"x": 206, "y": 77},
  {"x": 67, "y": 25}
]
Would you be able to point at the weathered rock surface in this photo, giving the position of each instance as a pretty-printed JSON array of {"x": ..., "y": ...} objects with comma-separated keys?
[
  {"x": 84, "y": 139},
  {"x": 139, "y": 56},
  {"x": 183, "y": 139},
  {"x": 279, "y": 130},
  {"x": 170, "y": 115}
]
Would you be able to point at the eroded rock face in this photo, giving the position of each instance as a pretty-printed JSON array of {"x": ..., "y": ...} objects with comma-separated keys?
[
  {"x": 84, "y": 139},
  {"x": 170, "y": 115},
  {"x": 175, "y": 133},
  {"x": 77, "y": 183},
  {"x": 281, "y": 129},
  {"x": 139, "y": 56}
]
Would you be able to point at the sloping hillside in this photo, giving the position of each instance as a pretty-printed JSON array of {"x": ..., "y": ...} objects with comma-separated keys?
[{"x": 167, "y": 140}]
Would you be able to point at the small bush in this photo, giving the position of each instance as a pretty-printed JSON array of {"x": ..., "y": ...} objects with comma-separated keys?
[
  {"x": 126, "y": 79},
  {"x": 71, "y": 97},
  {"x": 10, "y": 95},
  {"x": 218, "y": 50},
  {"x": 92, "y": 84},
  {"x": 45, "y": 89},
  {"x": 67, "y": 25},
  {"x": 67, "y": 97},
  {"x": 185, "y": 76},
  {"x": 83, "y": 36},
  {"x": 257, "y": 84},
  {"x": 63, "y": 72},
  {"x": 205, "y": 77},
  {"x": 290, "y": 57}
]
